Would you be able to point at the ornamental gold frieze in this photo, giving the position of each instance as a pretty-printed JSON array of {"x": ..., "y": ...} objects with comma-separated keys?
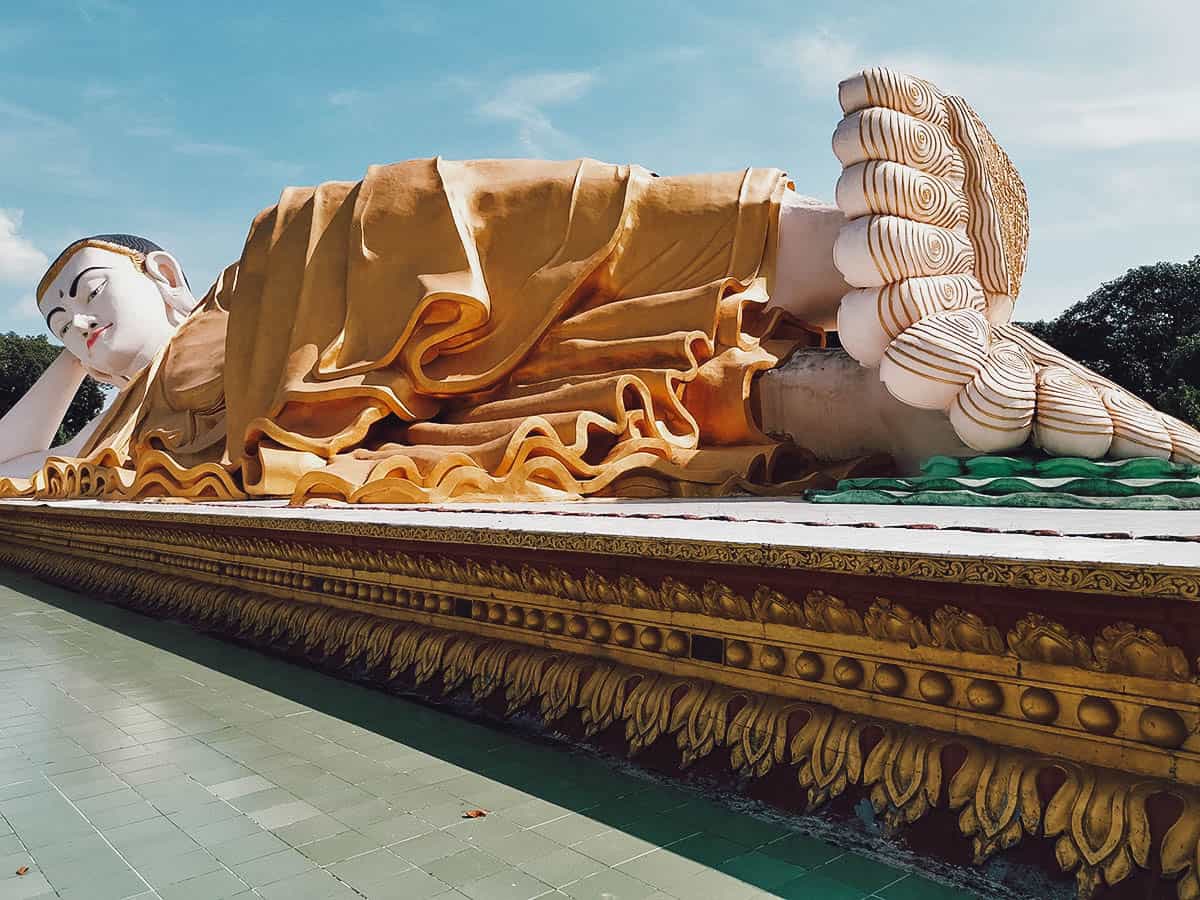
[
  {"x": 1097, "y": 819},
  {"x": 1040, "y": 686},
  {"x": 1093, "y": 577},
  {"x": 364, "y": 573}
]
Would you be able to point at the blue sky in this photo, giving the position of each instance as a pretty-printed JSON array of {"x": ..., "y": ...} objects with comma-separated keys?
[{"x": 180, "y": 121}]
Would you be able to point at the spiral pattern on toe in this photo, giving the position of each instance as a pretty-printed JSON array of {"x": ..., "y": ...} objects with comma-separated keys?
[
  {"x": 934, "y": 251},
  {"x": 894, "y": 90},
  {"x": 883, "y": 134},
  {"x": 868, "y": 320},
  {"x": 1137, "y": 427},
  {"x": 1071, "y": 419},
  {"x": 885, "y": 188},
  {"x": 877, "y": 250},
  {"x": 930, "y": 362},
  {"x": 1185, "y": 441},
  {"x": 995, "y": 410}
]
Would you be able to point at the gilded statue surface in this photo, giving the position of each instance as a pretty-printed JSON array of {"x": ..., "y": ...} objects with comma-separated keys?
[{"x": 535, "y": 330}]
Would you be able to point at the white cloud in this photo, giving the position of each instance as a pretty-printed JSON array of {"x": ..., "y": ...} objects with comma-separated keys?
[
  {"x": 522, "y": 101},
  {"x": 819, "y": 60},
  {"x": 21, "y": 262},
  {"x": 1147, "y": 98}
]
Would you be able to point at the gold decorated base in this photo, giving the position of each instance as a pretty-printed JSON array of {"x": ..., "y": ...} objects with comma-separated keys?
[{"x": 1052, "y": 701}]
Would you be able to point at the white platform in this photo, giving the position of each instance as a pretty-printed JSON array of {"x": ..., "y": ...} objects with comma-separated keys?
[{"x": 1129, "y": 537}]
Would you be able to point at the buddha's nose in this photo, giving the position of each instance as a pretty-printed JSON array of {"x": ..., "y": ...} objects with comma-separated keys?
[{"x": 82, "y": 322}]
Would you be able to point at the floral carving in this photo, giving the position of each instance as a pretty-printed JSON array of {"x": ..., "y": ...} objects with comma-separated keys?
[
  {"x": 1128, "y": 650},
  {"x": 997, "y": 793},
  {"x": 905, "y": 773},
  {"x": 824, "y": 612},
  {"x": 888, "y": 621},
  {"x": 954, "y": 629},
  {"x": 1102, "y": 826},
  {"x": 828, "y": 754},
  {"x": 1038, "y": 639},
  {"x": 758, "y": 734}
]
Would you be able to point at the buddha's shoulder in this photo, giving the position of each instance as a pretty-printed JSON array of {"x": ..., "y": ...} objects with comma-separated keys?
[{"x": 192, "y": 372}]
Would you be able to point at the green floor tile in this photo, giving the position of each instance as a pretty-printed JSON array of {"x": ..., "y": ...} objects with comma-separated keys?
[
  {"x": 373, "y": 866},
  {"x": 608, "y": 884},
  {"x": 865, "y": 875},
  {"x": 801, "y": 850},
  {"x": 413, "y": 884},
  {"x": 914, "y": 887},
  {"x": 709, "y": 849},
  {"x": 561, "y": 867},
  {"x": 466, "y": 865},
  {"x": 760, "y": 870},
  {"x": 211, "y": 886},
  {"x": 273, "y": 867},
  {"x": 315, "y": 884},
  {"x": 507, "y": 884},
  {"x": 335, "y": 849}
]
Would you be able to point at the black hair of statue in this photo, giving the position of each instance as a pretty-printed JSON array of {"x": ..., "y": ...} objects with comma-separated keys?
[{"x": 133, "y": 242}]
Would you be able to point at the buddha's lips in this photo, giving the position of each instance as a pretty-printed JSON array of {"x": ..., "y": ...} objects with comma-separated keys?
[{"x": 96, "y": 334}]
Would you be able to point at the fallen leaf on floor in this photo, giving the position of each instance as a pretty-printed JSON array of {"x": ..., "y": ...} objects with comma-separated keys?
[
  {"x": 475, "y": 814},
  {"x": 22, "y": 870}
]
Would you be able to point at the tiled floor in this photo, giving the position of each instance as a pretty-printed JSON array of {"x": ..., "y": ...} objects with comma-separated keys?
[{"x": 139, "y": 759}]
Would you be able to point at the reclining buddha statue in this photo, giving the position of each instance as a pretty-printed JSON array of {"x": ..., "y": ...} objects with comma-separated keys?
[{"x": 529, "y": 329}]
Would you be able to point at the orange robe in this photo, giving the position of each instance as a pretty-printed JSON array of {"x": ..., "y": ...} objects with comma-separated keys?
[{"x": 497, "y": 328}]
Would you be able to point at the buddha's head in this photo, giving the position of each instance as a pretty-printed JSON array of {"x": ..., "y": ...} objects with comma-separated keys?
[{"x": 114, "y": 300}]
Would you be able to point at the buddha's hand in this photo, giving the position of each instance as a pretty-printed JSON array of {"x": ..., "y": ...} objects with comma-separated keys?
[{"x": 935, "y": 249}]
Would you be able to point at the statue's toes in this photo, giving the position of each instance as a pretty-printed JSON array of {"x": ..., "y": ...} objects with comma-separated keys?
[
  {"x": 994, "y": 411},
  {"x": 876, "y": 250},
  {"x": 1071, "y": 418},
  {"x": 905, "y": 247},
  {"x": 870, "y": 319},
  {"x": 1185, "y": 440},
  {"x": 1138, "y": 428},
  {"x": 929, "y": 363},
  {"x": 893, "y": 90}
]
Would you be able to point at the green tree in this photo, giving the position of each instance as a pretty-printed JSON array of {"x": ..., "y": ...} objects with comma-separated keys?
[
  {"x": 1142, "y": 331},
  {"x": 22, "y": 361}
]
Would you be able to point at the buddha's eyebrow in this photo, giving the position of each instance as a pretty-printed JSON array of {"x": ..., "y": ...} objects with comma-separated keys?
[
  {"x": 75, "y": 283},
  {"x": 50, "y": 314}
]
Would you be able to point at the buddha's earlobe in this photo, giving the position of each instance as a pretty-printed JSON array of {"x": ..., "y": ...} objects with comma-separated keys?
[
  {"x": 166, "y": 272},
  {"x": 163, "y": 268}
]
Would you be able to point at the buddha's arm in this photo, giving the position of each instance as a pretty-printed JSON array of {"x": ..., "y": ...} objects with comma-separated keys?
[{"x": 30, "y": 426}]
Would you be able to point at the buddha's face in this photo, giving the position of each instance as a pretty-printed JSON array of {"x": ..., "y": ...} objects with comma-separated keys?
[{"x": 110, "y": 312}]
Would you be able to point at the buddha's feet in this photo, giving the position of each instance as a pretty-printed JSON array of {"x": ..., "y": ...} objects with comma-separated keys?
[{"x": 935, "y": 248}]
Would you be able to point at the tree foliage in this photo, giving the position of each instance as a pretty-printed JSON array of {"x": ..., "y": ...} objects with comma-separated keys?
[
  {"x": 1142, "y": 331},
  {"x": 22, "y": 361}
]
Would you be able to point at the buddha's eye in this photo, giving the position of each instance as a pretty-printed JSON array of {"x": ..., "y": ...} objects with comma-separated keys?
[
  {"x": 62, "y": 332},
  {"x": 96, "y": 290}
]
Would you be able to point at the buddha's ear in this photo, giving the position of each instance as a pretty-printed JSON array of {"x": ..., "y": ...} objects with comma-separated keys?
[{"x": 164, "y": 268}]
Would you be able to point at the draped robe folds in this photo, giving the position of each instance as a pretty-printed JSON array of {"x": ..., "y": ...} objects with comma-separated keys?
[{"x": 508, "y": 329}]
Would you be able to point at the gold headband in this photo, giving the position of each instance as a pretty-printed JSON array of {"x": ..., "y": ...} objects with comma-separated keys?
[{"x": 63, "y": 258}]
